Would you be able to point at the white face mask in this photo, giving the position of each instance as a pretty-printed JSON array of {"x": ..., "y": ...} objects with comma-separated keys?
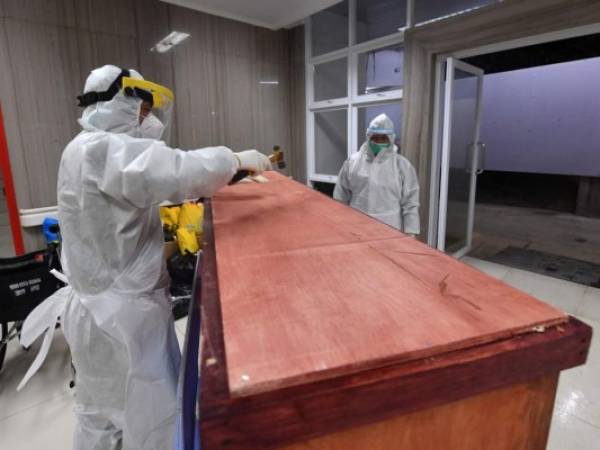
[{"x": 151, "y": 127}]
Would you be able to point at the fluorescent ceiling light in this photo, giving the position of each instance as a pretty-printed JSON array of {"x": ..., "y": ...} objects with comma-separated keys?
[
  {"x": 167, "y": 43},
  {"x": 268, "y": 82}
]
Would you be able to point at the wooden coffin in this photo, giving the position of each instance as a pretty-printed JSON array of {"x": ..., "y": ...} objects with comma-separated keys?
[{"x": 324, "y": 329}]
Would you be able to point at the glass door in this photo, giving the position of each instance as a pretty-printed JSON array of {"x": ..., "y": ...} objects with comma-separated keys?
[{"x": 459, "y": 157}]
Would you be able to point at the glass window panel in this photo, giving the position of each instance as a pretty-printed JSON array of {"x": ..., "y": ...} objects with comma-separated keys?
[
  {"x": 329, "y": 29},
  {"x": 331, "y": 80},
  {"x": 324, "y": 188},
  {"x": 331, "y": 141},
  {"x": 377, "y": 18},
  {"x": 368, "y": 113},
  {"x": 426, "y": 10},
  {"x": 381, "y": 70}
]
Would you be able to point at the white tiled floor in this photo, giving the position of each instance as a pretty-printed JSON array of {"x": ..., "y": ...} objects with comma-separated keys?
[
  {"x": 40, "y": 416},
  {"x": 576, "y": 422}
]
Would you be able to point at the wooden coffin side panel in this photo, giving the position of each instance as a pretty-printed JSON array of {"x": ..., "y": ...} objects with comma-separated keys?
[
  {"x": 294, "y": 414},
  {"x": 514, "y": 417},
  {"x": 213, "y": 364}
]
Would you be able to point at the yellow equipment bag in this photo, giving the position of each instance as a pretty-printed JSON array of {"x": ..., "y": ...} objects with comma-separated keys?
[
  {"x": 187, "y": 241},
  {"x": 169, "y": 215},
  {"x": 189, "y": 232},
  {"x": 191, "y": 216}
]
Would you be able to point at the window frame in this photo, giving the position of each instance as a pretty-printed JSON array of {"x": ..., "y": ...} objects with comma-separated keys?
[
  {"x": 311, "y": 156},
  {"x": 352, "y": 101}
]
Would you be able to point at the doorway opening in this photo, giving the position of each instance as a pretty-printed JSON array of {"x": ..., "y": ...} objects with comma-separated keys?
[{"x": 532, "y": 160}]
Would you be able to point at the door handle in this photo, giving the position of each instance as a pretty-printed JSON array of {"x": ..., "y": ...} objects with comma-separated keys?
[
  {"x": 471, "y": 153},
  {"x": 481, "y": 150}
]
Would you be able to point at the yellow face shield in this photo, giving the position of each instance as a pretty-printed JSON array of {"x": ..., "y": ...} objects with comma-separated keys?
[{"x": 159, "y": 98}]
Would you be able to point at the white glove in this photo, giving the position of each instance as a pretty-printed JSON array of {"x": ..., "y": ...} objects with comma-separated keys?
[{"x": 253, "y": 161}]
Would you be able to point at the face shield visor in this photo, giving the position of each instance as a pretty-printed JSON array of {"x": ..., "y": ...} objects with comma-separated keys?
[{"x": 156, "y": 107}]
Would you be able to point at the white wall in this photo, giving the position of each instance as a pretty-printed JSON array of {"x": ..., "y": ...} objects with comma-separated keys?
[{"x": 544, "y": 119}]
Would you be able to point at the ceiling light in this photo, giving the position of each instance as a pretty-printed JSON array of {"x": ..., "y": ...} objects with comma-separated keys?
[
  {"x": 167, "y": 43},
  {"x": 268, "y": 82}
]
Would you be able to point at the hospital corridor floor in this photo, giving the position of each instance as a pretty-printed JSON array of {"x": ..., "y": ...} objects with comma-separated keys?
[{"x": 41, "y": 415}]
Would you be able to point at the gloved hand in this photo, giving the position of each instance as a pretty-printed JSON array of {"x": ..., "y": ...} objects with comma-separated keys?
[{"x": 253, "y": 161}]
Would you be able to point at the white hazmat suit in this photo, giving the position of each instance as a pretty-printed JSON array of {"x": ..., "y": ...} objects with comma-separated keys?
[
  {"x": 384, "y": 186},
  {"x": 116, "y": 313}
]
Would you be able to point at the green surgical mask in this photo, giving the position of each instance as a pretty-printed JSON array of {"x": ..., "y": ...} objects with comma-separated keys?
[{"x": 376, "y": 148}]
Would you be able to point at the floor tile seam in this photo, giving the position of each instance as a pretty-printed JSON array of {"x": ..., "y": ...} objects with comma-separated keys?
[{"x": 36, "y": 405}]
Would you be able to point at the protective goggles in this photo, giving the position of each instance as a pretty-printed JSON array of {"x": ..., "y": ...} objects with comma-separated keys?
[{"x": 377, "y": 130}]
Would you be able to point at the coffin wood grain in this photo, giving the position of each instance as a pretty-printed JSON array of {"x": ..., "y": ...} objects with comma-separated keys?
[{"x": 310, "y": 289}]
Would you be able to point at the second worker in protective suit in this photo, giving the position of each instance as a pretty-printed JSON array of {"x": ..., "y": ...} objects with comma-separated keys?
[
  {"x": 116, "y": 312},
  {"x": 380, "y": 182}
]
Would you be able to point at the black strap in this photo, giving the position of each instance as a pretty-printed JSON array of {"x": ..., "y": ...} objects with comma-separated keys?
[
  {"x": 141, "y": 93},
  {"x": 89, "y": 98}
]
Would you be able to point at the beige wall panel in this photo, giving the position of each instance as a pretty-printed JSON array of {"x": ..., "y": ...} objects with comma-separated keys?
[
  {"x": 237, "y": 70},
  {"x": 57, "y": 12},
  {"x": 42, "y": 60},
  {"x": 234, "y": 38},
  {"x": 239, "y": 108},
  {"x": 108, "y": 49},
  {"x": 271, "y": 64},
  {"x": 115, "y": 17},
  {"x": 297, "y": 158},
  {"x": 270, "y": 45},
  {"x": 273, "y": 102},
  {"x": 197, "y": 121},
  {"x": 152, "y": 25}
]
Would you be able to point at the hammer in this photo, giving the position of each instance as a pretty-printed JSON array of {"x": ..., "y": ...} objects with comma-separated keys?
[{"x": 275, "y": 158}]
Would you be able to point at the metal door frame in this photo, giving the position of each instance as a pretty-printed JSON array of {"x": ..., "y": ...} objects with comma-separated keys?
[{"x": 451, "y": 65}]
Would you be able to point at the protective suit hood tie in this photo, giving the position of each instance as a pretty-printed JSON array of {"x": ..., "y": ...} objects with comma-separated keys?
[{"x": 43, "y": 319}]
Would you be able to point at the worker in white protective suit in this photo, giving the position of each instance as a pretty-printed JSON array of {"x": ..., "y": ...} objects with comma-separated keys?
[
  {"x": 380, "y": 182},
  {"x": 115, "y": 310}
]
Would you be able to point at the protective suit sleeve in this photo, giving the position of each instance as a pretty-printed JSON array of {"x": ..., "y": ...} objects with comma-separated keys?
[
  {"x": 145, "y": 172},
  {"x": 342, "y": 192},
  {"x": 409, "y": 203}
]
